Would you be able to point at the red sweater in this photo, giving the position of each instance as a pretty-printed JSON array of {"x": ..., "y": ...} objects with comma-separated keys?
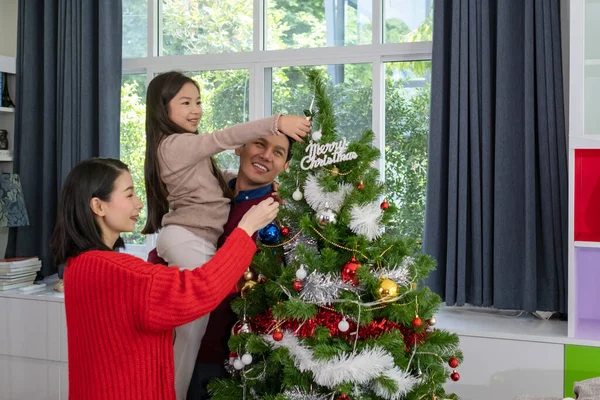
[{"x": 121, "y": 312}]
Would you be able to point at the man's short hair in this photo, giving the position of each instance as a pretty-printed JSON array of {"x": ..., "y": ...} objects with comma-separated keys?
[{"x": 289, "y": 152}]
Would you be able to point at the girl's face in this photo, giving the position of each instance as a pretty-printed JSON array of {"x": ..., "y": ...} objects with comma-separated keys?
[
  {"x": 185, "y": 109},
  {"x": 120, "y": 213}
]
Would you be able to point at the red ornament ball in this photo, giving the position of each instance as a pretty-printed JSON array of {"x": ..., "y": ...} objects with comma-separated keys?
[
  {"x": 385, "y": 205},
  {"x": 277, "y": 335},
  {"x": 298, "y": 286},
  {"x": 360, "y": 186},
  {"x": 417, "y": 322},
  {"x": 342, "y": 397},
  {"x": 285, "y": 231},
  {"x": 349, "y": 271},
  {"x": 453, "y": 362},
  {"x": 455, "y": 376}
]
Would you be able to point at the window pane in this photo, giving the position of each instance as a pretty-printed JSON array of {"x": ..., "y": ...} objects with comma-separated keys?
[
  {"x": 206, "y": 26},
  {"x": 133, "y": 142},
  {"x": 318, "y": 23},
  {"x": 407, "y": 89},
  {"x": 350, "y": 86},
  {"x": 225, "y": 101},
  {"x": 408, "y": 21},
  {"x": 135, "y": 28}
]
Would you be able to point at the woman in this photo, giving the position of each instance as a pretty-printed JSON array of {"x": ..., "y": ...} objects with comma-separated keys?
[{"x": 120, "y": 310}]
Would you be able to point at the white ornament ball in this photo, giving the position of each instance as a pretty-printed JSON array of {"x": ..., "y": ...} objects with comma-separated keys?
[
  {"x": 247, "y": 359},
  {"x": 343, "y": 326},
  {"x": 238, "y": 364},
  {"x": 301, "y": 273},
  {"x": 297, "y": 195},
  {"x": 316, "y": 135}
]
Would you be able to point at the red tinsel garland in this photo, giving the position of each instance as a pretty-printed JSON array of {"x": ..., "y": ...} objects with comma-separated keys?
[{"x": 264, "y": 323}]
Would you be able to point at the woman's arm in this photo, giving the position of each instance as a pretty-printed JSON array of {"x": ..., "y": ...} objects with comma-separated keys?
[{"x": 177, "y": 297}]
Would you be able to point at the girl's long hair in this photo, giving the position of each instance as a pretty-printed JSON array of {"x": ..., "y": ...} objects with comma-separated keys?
[{"x": 161, "y": 90}]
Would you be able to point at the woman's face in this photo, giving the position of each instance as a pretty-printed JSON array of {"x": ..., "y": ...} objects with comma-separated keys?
[{"x": 120, "y": 213}]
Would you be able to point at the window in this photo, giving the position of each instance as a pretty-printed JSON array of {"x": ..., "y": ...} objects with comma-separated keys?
[
  {"x": 406, "y": 133},
  {"x": 133, "y": 142},
  {"x": 135, "y": 28},
  {"x": 318, "y": 23},
  {"x": 407, "y": 21},
  {"x": 377, "y": 55},
  {"x": 206, "y": 26}
]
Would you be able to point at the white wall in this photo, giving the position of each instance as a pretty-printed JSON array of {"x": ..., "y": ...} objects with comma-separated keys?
[{"x": 8, "y": 28}]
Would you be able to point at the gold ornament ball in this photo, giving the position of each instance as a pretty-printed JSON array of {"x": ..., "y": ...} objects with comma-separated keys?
[
  {"x": 387, "y": 288},
  {"x": 431, "y": 321},
  {"x": 248, "y": 275},
  {"x": 335, "y": 171}
]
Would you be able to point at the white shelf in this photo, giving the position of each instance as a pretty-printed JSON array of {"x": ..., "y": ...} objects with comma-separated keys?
[
  {"x": 587, "y": 141},
  {"x": 587, "y": 244},
  {"x": 8, "y": 65},
  {"x": 7, "y": 110}
]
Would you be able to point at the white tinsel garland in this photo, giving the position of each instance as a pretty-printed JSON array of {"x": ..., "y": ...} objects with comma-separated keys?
[
  {"x": 399, "y": 273},
  {"x": 360, "y": 368},
  {"x": 297, "y": 394},
  {"x": 365, "y": 219},
  {"x": 317, "y": 198},
  {"x": 323, "y": 288}
]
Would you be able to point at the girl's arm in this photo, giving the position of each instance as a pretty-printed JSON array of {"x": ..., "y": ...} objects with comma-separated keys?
[
  {"x": 191, "y": 148},
  {"x": 178, "y": 297}
]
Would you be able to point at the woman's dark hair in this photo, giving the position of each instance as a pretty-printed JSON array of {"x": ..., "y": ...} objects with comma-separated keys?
[
  {"x": 161, "y": 90},
  {"x": 76, "y": 229}
]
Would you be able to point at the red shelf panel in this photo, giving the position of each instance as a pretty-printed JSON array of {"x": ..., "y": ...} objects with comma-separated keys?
[{"x": 587, "y": 195}]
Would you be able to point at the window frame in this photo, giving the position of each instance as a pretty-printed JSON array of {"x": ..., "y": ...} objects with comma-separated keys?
[{"x": 260, "y": 61}]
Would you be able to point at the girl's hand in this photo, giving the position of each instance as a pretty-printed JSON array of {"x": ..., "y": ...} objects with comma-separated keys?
[
  {"x": 294, "y": 126},
  {"x": 259, "y": 216}
]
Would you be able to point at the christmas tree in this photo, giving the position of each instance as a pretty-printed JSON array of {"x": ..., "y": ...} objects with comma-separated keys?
[{"x": 332, "y": 308}]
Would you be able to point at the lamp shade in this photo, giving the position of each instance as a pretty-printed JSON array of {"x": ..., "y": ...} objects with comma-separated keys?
[{"x": 12, "y": 203}]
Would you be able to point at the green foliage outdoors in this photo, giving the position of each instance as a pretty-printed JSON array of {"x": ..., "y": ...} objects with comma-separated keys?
[{"x": 206, "y": 26}]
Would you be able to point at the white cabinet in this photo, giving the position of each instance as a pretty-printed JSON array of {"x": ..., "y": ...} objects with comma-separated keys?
[
  {"x": 500, "y": 369},
  {"x": 33, "y": 346}
]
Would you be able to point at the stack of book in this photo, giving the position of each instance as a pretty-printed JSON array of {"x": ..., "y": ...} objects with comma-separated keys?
[{"x": 18, "y": 272}]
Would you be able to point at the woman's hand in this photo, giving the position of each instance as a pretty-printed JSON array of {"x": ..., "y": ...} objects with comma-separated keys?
[
  {"x": 294, "y": 126},
  {"x": 259, "y": 216}
]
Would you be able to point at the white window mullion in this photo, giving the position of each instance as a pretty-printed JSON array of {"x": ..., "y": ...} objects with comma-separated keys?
[
  {"x": 259, "y": 31},
  {"x": 378, "y": 72},
  {"x": 377, "y": 21}
]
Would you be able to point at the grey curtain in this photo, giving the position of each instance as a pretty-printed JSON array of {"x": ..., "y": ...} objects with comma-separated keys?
[
  {"x": 496, "y": 211},
  {"x": 68, "y": 104}
]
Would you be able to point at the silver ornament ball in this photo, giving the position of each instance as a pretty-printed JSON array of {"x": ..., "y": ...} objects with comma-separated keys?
[
  {"x": 325, "y": 217},
  {"x": 343, "y": 325},
  {"x": 247, "y": 359},
  {"x": 316, "y": 135},
  {"x": 297, "y": 195},
  {"x": 301, "y": 273},
  {"x": 238, "y": 364}
]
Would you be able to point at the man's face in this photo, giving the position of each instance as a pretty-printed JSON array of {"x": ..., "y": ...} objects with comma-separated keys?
[{"x": 261, "y": 160}]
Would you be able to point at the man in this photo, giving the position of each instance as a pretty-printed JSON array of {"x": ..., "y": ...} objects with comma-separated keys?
[{"x": 261, "y": 160}]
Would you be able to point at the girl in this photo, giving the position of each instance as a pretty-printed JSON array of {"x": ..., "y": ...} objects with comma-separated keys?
[
  {"x": 120, "y": 310},
  {"x": 188, "y": 197}
]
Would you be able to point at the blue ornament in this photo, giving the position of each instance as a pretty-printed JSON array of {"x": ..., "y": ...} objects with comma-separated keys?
[{"x": 269, "y": 234}]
